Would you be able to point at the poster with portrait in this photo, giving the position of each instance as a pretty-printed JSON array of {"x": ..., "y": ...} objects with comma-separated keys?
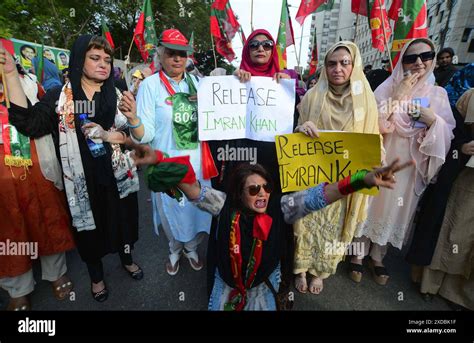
[{"x": 25, "y": 52}]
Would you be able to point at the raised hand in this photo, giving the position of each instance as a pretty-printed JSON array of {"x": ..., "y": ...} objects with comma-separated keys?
[
  {"x": 6, "y": 61},
  {"x": 385, "y": 177},
  {"x": 405, "y": 87},
  {"x": 128, "y": 106},
  {"x": 143, "y": 154}
]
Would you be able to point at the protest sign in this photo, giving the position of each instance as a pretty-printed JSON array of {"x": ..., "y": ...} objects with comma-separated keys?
[
  {"x": 258, "y": 109},
  {"x": 305, "y": 162}
]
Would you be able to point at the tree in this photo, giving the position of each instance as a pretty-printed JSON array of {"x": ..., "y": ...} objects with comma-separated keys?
[{"x": 59, "y": 22}]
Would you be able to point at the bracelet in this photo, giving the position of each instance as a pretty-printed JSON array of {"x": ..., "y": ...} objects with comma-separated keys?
[
  {"x": 352, "y": 183},
  {"x": 135, "y": 126}
]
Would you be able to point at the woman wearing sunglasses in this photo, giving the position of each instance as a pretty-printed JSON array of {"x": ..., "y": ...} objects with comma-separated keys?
[
  {"x": 416, "y": 121},
  {"x": 259, "y": 58},
  {"x": 247, "y": 246}
]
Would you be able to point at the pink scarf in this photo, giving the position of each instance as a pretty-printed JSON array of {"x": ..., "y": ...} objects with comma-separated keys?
[{"x": 428, "y": 146}]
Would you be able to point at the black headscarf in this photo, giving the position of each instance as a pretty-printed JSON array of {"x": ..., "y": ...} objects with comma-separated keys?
[
  {"x": 97, "y": 170},
  {"x": 106, "y": 104}
]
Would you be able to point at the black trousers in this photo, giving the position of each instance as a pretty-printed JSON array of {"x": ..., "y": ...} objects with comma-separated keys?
[{"x": 96, "y": 269}]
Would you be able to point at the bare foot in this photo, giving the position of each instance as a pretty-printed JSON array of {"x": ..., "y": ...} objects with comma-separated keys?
[
  {"x": 300, "y": 283},
  {"x": 316, "y": 285}
]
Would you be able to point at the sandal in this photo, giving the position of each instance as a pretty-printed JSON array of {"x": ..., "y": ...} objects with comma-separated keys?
[
  {"x": 62, "y": 287},
  {"x": 101, "y": 295},
  {"x": 19, "y": 304},
  {"x": 137, "y": 274},
  {"x": 380, "y": 274},
  {"x": 301, "y": 284},
  {"x": 172, "y": 265},
  {"x": 355, "y": 271},
  {"x": 194, "y": 260}
]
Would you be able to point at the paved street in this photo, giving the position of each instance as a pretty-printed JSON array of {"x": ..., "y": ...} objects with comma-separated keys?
[{"x": 187, "y": 290}]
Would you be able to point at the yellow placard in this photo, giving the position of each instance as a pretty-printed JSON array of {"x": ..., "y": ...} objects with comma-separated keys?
[{"x": 305, "y": 162}]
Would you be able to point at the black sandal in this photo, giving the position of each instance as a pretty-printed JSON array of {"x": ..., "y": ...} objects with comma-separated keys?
[
  {"x": 137, "y": 274},
  {"x": 356, "y": 271},
  {"x": 380, "y": 274},
  {"x": 101, "y": 295}
]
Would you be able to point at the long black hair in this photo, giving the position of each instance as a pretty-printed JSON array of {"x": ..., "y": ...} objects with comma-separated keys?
[{"x": 238, "y": 178}]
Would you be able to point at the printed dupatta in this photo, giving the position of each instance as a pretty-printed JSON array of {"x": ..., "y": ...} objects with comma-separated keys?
[{"x": 73, "y": 170}]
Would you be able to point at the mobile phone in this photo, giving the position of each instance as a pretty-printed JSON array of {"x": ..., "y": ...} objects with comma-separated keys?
[{"x": 420, "y": 102}]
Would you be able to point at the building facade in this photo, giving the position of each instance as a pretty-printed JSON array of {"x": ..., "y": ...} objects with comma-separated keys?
[{"x": 450, "y": 24}]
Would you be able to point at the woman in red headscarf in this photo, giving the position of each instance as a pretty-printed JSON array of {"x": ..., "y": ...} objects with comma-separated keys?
[{"x": 259, "y": 58}]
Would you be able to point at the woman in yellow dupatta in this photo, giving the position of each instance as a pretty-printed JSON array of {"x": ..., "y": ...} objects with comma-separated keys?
[{"x": 342, "y": 100}]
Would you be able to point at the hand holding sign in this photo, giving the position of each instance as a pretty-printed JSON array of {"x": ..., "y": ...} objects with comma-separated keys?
[{"x": 309, "y": 129}]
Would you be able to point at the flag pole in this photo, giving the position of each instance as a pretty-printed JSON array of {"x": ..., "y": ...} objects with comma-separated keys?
[
  {"x": 385, "y": 36},
  {"x": 251, "y": 15},
  {"x": 5, "y": 87},
  {"x": 298, "y": 57},
  {"x": 213, "y": 51},
  {"x": 130, "y": 48}
]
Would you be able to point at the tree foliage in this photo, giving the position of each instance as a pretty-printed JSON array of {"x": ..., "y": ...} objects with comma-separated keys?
[{"x": 59, "y": 22}]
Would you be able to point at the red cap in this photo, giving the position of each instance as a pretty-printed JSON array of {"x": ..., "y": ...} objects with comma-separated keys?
[{"x": 173, "y": 39}]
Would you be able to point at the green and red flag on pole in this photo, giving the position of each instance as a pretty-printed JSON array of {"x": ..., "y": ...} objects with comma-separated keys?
[
  {"x": 379, "y": 25},
  {"x": 313, "y": 64},
  {"x": 286, "y": 36},
  {"x": 224, "y": 26},
  {"x": 410, "y": 22},
  {"x": 106, "y": 33},
  {"x": 309, "y": 6},
  {"x": 145, "y": 35}
]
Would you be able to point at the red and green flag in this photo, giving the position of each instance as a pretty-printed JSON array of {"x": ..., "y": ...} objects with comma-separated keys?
[
  {"x": 285, "y": 35},
  {"x": 309, "y": 6},
  {"x": 224, "y": 26},
  {"x": 410, "y": 22},
  {"x": 145, "y": 35},
  {"x": 106, "y": 33},
  {"x": 313, "y": 64},
  {"x": 379, "y": 25}
]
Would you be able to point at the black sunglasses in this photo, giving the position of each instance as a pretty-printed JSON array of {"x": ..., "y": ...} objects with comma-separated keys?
[
  {"x": 424, "y": 56},
  {"x": 255, "y": 189},
  {"x": 266, "y": 44}
]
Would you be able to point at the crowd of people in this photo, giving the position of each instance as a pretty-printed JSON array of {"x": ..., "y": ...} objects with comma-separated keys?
[{"x": 260, "y": 241}]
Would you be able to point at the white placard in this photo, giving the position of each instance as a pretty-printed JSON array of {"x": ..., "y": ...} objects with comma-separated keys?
[{"x": 258, "y": 109}]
